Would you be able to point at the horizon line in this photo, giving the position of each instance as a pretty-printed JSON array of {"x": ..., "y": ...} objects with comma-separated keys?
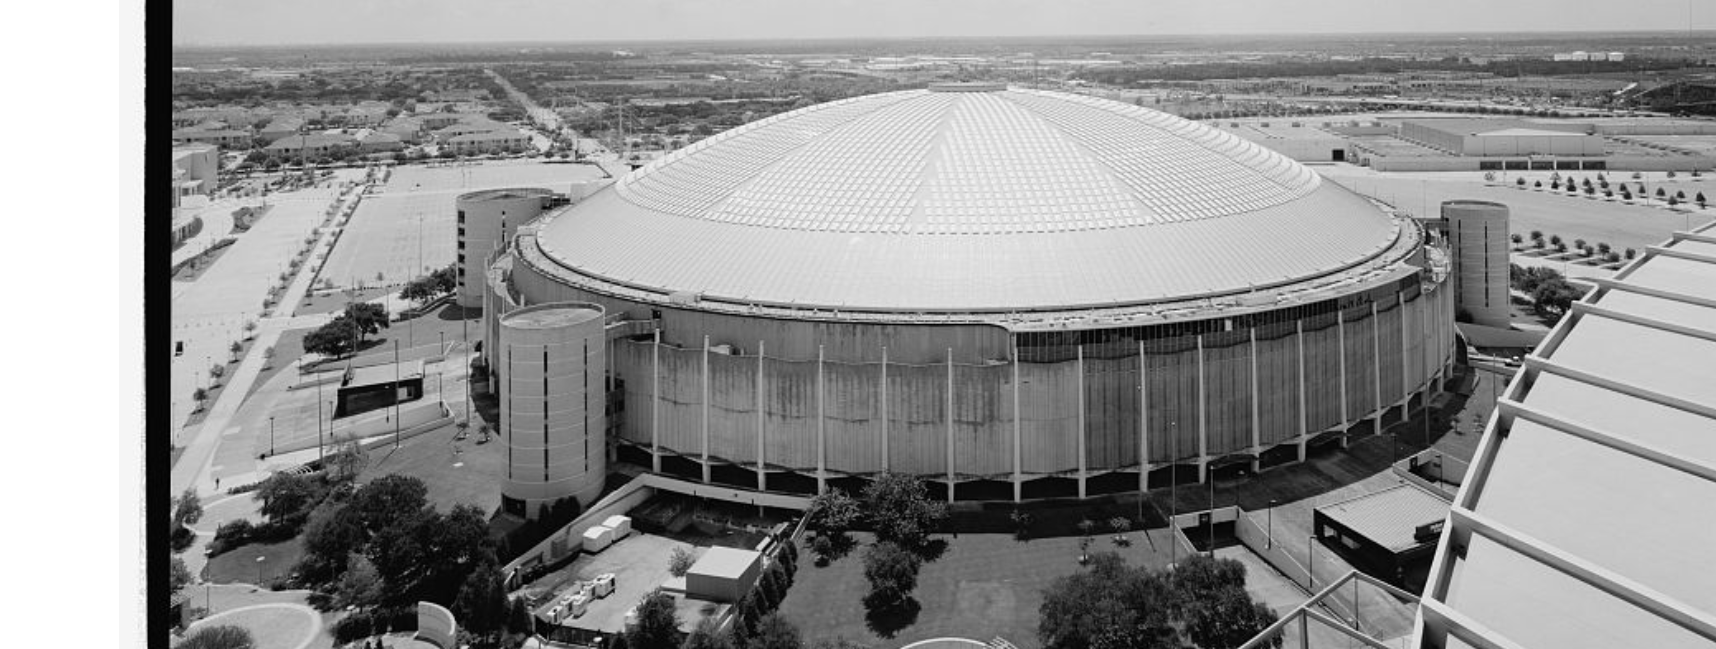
[{"x": 811, "y": 39}]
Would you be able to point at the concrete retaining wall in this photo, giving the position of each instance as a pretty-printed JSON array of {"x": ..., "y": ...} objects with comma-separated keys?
[{"x": 435, "y": 625}]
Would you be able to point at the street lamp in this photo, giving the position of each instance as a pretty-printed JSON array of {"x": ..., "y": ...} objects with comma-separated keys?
[
  {"x": 271, "y": 435},
  {"x": 1311, "y": 562},
  {"x": 260, "y": 562},
  {"x": 1271, "y": 529},
  {"x": 1209, "y": 475}
]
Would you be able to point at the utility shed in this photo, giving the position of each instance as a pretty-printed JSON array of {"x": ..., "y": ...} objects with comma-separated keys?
[
  {"x": 723, "y": 574},
  {"x": 1384, "y": 533}
]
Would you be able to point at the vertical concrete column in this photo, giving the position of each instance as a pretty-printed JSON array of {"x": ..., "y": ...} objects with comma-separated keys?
[
  {"x": 1376, "y": 373},
  {"x": 1341, "y": 353},
  {"x": 1143, "y": 422},
  {"x": 821, "y": 430},
  {"x": 1083, "y": 432},
  {"x": 949, "y": 418},
  {"x": 1405, "y": 381},
  {"x": 705, "y": 425},
  {"x": 1203, "y": 419},
  {"x": 884, "y": 393},
  {"x": 1256, "y": 418},
  {"x": 1304, "y": 414},
  {"x": 1018, "y": 457},
  {"x": 655, "y": 404},
  {"x": 762, "y": 475}
]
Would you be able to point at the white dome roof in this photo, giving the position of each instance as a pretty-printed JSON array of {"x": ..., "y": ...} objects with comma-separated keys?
[{"x": 980, "y": 199}]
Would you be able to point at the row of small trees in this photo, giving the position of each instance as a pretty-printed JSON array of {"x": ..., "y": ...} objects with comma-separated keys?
[
  {"x": 1601, "y": 249},
  {"x": 1675, "y": 199}
]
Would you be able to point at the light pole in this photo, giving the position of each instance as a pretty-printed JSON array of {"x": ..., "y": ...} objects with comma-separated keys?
[
  {"x": 1311, "y": 563},
  {"x": 260, "y": 563},
  {"x": 271, "y": 435},
  {"x": 396, "y": 394},
  {"x": 1209, "y": 474},
  {"x": 441, "y": 348},
  {"x": 1271, "y": 529}
]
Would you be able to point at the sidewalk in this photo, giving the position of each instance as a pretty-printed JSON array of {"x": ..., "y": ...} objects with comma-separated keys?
[{"x": 194, "y": 466}]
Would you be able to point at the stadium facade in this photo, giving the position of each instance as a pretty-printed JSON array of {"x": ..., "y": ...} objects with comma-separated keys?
[{"x": 1015, "y": 294}]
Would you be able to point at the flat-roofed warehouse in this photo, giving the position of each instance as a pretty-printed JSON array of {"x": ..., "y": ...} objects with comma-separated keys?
[
  {"x": 1012, "y": 293},
  {"x": 1501, "y": 137}
]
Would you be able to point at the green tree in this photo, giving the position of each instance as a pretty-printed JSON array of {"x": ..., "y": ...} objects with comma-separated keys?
[
  {"x": 1228, "y": 618},
  {"x": 775, "y": 632},
  {"x": 679, "y": 562},
  {"x": 178, "y": 576},
  {"x": 348, "y": 459},
  {"x": 519, "y": 619},
  {"x": 336, "y": 338},
  {"x": 900, "y": 510},
  {"x": 331, "y": 535},
  {"x": 384, "y": 501},
  {"x": 219, "y": 637},
  {"x": 708, "y": 635},
  {"x": 200, "y": 395},
  {"x": 837, "y": 642},
  {"x": 1108, "y": 605},
  {"x": 420, "y": 290},
  {"x": 369, "y": 318},
  {"x": 481, "y": 605},
  {"x": 361, "y": 585},
  {"x": 286, "y": 497},
  {"x": 833, "y": 511},
  {"x": 657, "y": 623},
  {"x": 188, "y": 509},
  {"x": 893, "y": 574}
]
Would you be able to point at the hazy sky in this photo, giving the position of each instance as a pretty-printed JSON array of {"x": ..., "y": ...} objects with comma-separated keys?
[{"x": 227, "y": 22}]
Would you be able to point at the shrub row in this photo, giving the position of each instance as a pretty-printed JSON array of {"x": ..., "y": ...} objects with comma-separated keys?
[{"x": 365, "y": 623}]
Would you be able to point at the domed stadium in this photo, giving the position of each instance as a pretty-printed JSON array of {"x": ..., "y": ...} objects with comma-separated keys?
[{"x": 1015, "y": 294}]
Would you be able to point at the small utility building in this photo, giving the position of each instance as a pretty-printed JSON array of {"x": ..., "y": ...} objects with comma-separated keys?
[
  {"x": 723, "y": 574},
  {"x": 379, "y": 386},
  {"x": 1387, "y": 533}
]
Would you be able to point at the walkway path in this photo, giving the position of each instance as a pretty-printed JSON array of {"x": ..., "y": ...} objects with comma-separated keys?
[{"x": 195, "y": 464}]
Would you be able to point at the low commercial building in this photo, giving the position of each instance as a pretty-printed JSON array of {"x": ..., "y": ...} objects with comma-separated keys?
[
  {"x": 312, "y": 144},
  {"x": 223, "y": 138},
  {"x": 365, "y": 389},
  {"x": 1390, "y": 534},
  {"x": 195, "y": 169},
  {"x": 723, "y": 574},
  {"x": 379, "y": 141},
  {"x": 280, "y": 127},
  {"x": 488, "y": 142}
]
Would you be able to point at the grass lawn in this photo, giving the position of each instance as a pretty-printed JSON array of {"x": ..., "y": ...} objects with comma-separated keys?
[
  {"x": 287, "y": 348},
  {"x": 337, "y": 300},
  {"x": 455, "y": 472},
  {"x": 200, "y": 264},
  {"x": 239, "y": 565},
  {"x": 982, "y": 586}
]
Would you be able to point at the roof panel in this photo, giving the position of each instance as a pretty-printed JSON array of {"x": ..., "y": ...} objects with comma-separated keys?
[
  {"x": 1677, "y": 275},
  {"x": 1535, "y": 605},
  {"x": 1650, "y": 358},
  {"x": 1673, "y": 430},
  {"x": 1557, "y": 488}
]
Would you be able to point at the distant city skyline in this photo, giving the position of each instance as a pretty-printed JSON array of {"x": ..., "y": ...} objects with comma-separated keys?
[{"x": 330, "y": 22}]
